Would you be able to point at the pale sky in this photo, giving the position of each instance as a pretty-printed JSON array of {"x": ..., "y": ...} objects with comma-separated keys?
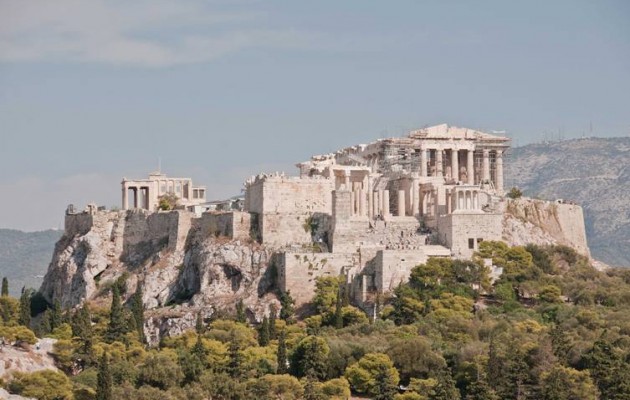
[{"x": 91, "y": 91}]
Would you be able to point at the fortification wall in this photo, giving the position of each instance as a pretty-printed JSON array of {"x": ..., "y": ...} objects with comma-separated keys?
[
  {"x": 297, "y": 271},
  {"x": 234, "y": 224},
  {"x": 286, "y": 207},
  {"x": 392, "y": 267},
  {"x": 291, "y": 195},
  {"x": 462, "y": 233}
]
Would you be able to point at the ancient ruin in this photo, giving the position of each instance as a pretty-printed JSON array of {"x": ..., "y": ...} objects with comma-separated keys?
[
  {"x": 146, "y": 193},
  {"x": 370, "y": 213}
]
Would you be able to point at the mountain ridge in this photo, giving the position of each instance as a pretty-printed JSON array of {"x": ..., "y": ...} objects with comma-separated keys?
[{"x": 593, "y": 172}]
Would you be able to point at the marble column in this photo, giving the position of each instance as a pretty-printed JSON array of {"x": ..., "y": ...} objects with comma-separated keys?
[
  {"x": 125, "y": 197},
  {"x": 486, "y": 165},
  {"x": 449, "y": 201},
  {"x": 136, "y": 195},
  {"x": 498, "y": 181},
  {"x": 362, "y": 203},
  {"x": 381, "y": 202},
  {"x": 470, "y": 167},
  {"x": 386, "y": 203},
  {"x": 455, "y": 164},
  {"x": 401, "y": 203},
  {"x": 423, "y": 162},
  {"x": 439, "y": 164},
  {"x": 415, "y": 192}
]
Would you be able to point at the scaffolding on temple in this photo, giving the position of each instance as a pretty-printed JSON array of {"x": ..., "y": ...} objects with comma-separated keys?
[{"x": 399, "y": 155}]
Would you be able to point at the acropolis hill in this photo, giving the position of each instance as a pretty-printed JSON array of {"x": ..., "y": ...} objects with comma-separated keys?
[{"x": 369, "y": 212}]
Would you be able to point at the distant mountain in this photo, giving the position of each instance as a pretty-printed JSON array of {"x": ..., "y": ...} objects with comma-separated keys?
[
  {"x": 24, "y": 257},
  {"x": 593, "y": 172}
]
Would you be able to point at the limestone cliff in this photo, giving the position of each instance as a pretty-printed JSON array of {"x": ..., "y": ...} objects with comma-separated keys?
[
  {"x": 171, "y": 253},
  {"x": 187, "y": 265},
  {"x": 542, "y": 222}
]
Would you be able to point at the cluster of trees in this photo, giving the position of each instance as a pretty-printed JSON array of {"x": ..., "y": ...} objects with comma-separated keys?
[{"x": 552, "y": 328}]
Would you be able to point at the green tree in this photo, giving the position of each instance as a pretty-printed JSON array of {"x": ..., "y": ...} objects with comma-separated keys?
[
  {"x": 312, "y": 390},
  {"x": 9, "y": 310},
  {"x": 287, "y": 305},
  {"x": 240, "y": 312},
  {"x": 273, "y": 334},
  {"x": 326, "y": 293},
  {"x": 363, "y": 374},
  {"x": 338, "y": 316},
  {"x": 160, "y": 371},
  {"x": 414, "y": 357},
  {"x": 310, "y": 356},
  {"x": 515, "y": 193},
  {"x": 445, "y": 388},
  {"x": 167, "y": 201},
  {"x": 550, "y": 294},
  {"x": 25, "y": 307},
  {"x": 104, "y": 380},
  {"x": 480, "y": 390},
  {"x": 609, "y": 370},
  {"x": 282, "y": 354},
  {"x": 263, "y": 332},
  {"x": 199, "y": 328},
  {"x": 117, "y": 325},
  {"x": 42, "y": 385},
  {"x": 137, "y": 310},
  {"x": 82, "y": 331},
  {"x": 235, "y": 358},
  {"x": 271, "y": 387},
  {"x": 384, "y": 388},
  {"x": 55, "y": 315},
  {"x": 5, "y": 287},
  {"x": 193, "y": 362},
  {"x": 564, "y": 383}
]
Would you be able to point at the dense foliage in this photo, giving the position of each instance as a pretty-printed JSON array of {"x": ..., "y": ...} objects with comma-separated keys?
[{"x": 552, "y": 328}]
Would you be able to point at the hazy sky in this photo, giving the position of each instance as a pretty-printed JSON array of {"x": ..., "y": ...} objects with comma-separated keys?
[{"x": 91, "y": 91}]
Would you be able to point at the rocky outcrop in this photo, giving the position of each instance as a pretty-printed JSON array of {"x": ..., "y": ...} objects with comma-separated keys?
[
  {"x": 7, "y": 396},
  {"x": 29, "y": 359},
  {"x": 542, "y": 222},
  {"x": 183, "y": 269}
]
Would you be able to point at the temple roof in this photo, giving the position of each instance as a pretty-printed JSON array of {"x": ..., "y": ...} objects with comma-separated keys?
[{"x": 444, "y": 131}]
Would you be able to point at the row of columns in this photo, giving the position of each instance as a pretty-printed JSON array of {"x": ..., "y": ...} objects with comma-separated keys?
[
  {"x": 467, "y": 199},
  {"x": 470, "y": 165},
  {"x": 140, "y": 197}
]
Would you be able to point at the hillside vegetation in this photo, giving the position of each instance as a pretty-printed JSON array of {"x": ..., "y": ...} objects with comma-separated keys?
[
  {"x": 594, "y": 173},
  {"x": 551, "y": 328}
]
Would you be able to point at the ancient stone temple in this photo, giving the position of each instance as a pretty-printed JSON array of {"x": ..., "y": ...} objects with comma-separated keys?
[
  {"x": 376, "y": 210},
  {"x": 145, "y": 193}
]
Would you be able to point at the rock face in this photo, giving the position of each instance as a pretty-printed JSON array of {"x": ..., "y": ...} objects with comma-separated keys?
[
  {"x": 16, "y": 359},
  {"x": 174, "y": 258},
  {"x": 593, "y": 172},
  {"x": 541, "y": 222},
  {"x": 186, "y": 271}
]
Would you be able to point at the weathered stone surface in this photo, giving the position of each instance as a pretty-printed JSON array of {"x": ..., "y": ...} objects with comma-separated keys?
[
  {"x": 541, "y": 222},
  {"x": 7, "y": 396},
  {"x": 175, "y": 262},
  {"x": 16, "y": 359}
]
